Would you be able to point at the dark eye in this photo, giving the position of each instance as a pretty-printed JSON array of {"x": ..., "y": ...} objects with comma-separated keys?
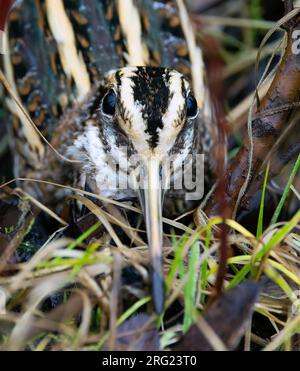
[
  {"x": 109, "y": 103},
  {"x": 191, "y": 106}
]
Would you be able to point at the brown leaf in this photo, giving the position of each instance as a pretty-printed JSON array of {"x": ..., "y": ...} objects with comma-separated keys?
[
  {"x": 137, "y": 334},
  {"x": 270, "y": 119},
  {"x": 227, "y": 318}
]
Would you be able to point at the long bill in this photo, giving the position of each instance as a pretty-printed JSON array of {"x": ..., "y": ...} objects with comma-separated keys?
[{"x": 152, "y": 205}]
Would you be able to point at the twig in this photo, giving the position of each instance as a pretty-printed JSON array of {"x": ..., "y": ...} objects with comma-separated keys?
[{"x": 266, "y": 129}]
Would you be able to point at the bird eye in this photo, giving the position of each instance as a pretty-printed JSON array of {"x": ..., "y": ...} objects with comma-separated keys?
[
  {"x": 191, "y": 106},
  {"x": 109, "y": 103}
]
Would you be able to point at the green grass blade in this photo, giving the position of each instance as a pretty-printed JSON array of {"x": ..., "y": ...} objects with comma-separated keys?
[
  {"x": 262, "y": 204},
  {"x": 58, "y": 261},
  {"x": 84, "y": 235},
  {"x": 238, "y": 278},
  {"x": 129, "y": 312},
  {"x": 278, "y": 237},
  {"x": 177, "y": 259},
  {"x": 204, "y": 267},
  {"x": 286, "y": 192},
  {"x": 190, "y": 288}
]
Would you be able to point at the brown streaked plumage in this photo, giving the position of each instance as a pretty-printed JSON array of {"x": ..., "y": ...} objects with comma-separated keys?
[{"x": 96, "y": 112}]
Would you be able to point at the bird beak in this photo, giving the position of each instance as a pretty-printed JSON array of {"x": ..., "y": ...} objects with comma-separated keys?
[{"x": 152, "y": 206}]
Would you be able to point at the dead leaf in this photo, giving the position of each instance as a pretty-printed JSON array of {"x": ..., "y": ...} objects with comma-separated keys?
[{"x": 224, "y": 323}]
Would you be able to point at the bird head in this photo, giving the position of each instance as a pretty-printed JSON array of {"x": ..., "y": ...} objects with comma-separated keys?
[{"x": 148, "y": 113}]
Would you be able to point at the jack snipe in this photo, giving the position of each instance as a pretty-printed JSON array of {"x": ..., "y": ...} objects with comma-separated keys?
[{"x": 111, "y": 116}]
